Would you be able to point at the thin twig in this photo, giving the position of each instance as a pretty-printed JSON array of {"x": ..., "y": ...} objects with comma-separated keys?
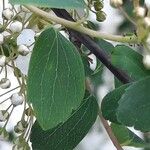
[
  {"x": 9, "y": 91},
  {"x": 110, "y": 132},
  {"x": 8, "y": 117},
  {"x": 4, "y": 100},
  {"x": 78, "y": 27}
]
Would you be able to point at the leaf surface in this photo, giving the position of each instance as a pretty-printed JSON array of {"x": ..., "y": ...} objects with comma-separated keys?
[
  {"x": 126, "y": 137},
  {"x": 134, "y": 105},
  {"x": 110, "y": 104},
  {"x": 67, "y": 135},
  {"x": 56, "y": 80},
  {"x": 52, "y": 3},
  {"x": 129, "y": 61}
]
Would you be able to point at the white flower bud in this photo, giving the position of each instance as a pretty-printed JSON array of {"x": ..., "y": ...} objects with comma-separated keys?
[
  {"x": 8, "y": 13},
  {"x": 23, "y": 50},
  {"x": 6, "y": 34},
  {"x": 2, "y": 60},
  {"x": 146, "y": 61},
  {"x": 5, "y": 83},
  {"x": 140, "y": 11},
  {"x": 147, "y": 21},
  {"x": 1, "y": 39},
  {"x": 16, "y": 26},
  {"x": 116, "y": 3},
  {"x": 17, "y": 99},
  {"x": 3, "y": 115}
]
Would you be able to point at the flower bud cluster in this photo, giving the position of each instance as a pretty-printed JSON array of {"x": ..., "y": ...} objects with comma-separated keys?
[
  {"x": 14, "y": 21},
  {"x": 100, "y": 14}
]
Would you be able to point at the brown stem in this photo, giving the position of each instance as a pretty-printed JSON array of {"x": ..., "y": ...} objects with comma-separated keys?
[{"x": 110, "y": 132}]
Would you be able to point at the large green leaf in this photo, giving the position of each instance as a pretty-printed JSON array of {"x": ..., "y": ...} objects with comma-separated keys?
[
  {"x": 55, "y": 79},
  {"x": 129, "y": 61},
  {"x": 134, "y": 105},
  {"x": 52, "y": 3},
  {"x": 126, "y": 137},
  {"x": 68, "y": 134},
  {"x": 110, "y": 104}
]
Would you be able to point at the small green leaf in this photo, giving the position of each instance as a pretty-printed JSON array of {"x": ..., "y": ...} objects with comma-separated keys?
[
  {"x": 67, "y": 135},
  {"x": 110, "y": 104},
  {"x": 134, "y": 105},
  {"x": 52, "y": 3},
  {"x": 86, "y": 64},
  {"x": 56, "y": 80},
  {"x": 95, "y": 77},
  {"x": 126, "y": 137},
  {"x": 129, "y": 61},
  {"x": 106, "y": 46}
]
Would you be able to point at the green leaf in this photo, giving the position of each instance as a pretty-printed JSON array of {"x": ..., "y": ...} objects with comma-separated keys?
[
  {"x": 94, "y": 77},
  {"x": 126, "y": 137},
  {"x": 129, "y": 61},
  {"x": 67, "y": 135},
  {"x": 86, "y": 64},
  {"x": 52, "y": 3},
  {"x": 106, "y": 46},
  {"x": 134, "y": 105},
  {"x": 110, "y": 104},
  {"x": 56, "y": 80}
]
